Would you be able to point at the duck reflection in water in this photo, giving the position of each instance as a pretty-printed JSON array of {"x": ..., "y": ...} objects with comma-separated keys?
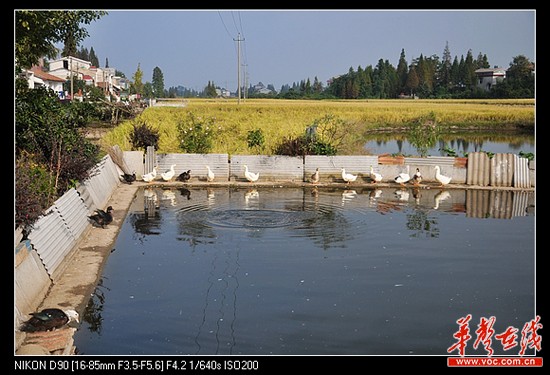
[{"x": 186, "y": 193}]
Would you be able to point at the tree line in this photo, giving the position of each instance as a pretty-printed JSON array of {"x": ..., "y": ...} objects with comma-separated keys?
[{"x": 424, "y": 77}]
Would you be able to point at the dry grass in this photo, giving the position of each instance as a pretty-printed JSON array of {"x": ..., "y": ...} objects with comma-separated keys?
[{"x": 289, "y": 118}]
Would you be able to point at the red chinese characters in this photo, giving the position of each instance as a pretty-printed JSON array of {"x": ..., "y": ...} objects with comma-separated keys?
[{"x": 530, "y": 339}]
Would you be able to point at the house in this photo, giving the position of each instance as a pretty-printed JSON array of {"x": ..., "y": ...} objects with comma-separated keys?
[
  {"x": 64, "y": 66},
  {"x": 488, "y": 77},
  {"x": 37, "y": 77}
]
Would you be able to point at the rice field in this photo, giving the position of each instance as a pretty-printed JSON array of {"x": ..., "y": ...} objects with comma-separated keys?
[{"x": 289, "y": 118}]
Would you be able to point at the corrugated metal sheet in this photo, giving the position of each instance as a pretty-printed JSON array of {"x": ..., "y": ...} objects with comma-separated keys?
[
  {"x": 134, "y": 160},
  {"x": 97, "y": 189},
  {"x": 52, "y": 240},
  {"x": 281, "y": 168},
  {"x": 479, "y": 169},
  {"x": 521, "y": 173},
  {"x": 330, "y": 167},
  {"x": 502, "y": 169},
  {"x": 218, "y": 163},
  {"x": 150, "y": 161},
  {"x": 73, "y": 211}
]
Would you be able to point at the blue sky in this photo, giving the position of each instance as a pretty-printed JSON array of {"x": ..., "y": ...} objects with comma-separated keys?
[{"x": 192, "y": 47}]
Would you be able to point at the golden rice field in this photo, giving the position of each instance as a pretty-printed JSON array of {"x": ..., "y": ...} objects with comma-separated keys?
[{"x": 289, "y": 118}]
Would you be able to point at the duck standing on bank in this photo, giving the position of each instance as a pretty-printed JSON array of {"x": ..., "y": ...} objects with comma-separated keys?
[
  {"x": 169, "y": 174},
  {"x": 209, "y": 174},
  {"x": 315, "y": 177},
  {"x": 250, "y": 176},
  {"x": 375, "y": 177},
  {"x": 49, "y": 319},
  {"x": 348, "y": 177},
  {"x": 102, "y": 218},
  {"x": 443, "y": 180},
  {"x": 148, "y": 177},
  {"x": 184, "y": 176},
  {"x": 402, "y": 178},
  {"x": 417, "y": 177},
  {"x": 128, "y": 178}
]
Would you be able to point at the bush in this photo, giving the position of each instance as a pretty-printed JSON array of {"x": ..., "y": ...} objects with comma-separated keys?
[
  {"x": 304, "y": 145},
  {"x": 143, "y": 136},
  {"x": 255, "y": 138},
  {"x": 196, "y": 134},
  {"x": 34, "y": 189}
]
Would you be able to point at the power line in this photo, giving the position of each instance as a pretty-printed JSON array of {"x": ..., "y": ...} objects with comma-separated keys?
[{"x": 225, "y": 27}]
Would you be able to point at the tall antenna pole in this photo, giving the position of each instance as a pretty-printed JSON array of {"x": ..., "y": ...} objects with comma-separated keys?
[{"x": 239, "y": 40}]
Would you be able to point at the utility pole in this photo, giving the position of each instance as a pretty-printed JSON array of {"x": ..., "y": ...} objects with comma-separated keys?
[
  {"x": 245, "y": 78},
  {"x": 239, "y": 40}
]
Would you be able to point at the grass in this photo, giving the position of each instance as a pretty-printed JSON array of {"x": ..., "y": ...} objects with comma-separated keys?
[{"x": 289, "y": 118}]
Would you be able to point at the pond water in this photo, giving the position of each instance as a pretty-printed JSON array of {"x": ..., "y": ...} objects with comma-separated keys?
[
  {"x": 514, "y": 143},
  {"x": 312, "y": 271}
]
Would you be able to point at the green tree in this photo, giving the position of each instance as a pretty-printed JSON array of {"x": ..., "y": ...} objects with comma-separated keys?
[
  {"x": 445, "y": 68},
  {"x": 148, "y": 91},
  {"x": 37, "y": 32},
  {"x": 137, "y": 84},
  {"x": 210, "y": 90},
  {"x": 412, "y": 80},
  {"x": 93, "y": 58},
  {"x": 158, "y": 83},
  {"x": 469, "y": 71},
  {"x": 402, "y": 70}
]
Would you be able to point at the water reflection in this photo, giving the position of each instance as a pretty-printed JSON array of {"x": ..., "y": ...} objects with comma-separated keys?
[
  {"x": 458, "y": 143},
  {"x": 246, "y": 270}
]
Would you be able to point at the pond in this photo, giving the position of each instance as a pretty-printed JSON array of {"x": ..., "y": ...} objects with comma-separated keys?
[
  {"x": 312, "y": 271},
  {"x": 460, "y": 144}
]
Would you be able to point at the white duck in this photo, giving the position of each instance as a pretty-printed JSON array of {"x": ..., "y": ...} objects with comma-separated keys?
[
  {"x": 315, "y": 176},
  {"x": 169, "y": 174},
  {"x": 376, "y": 177},
  {"x": 252, "y": 177},
  {"x": 348, "y": 177},
  {"x": 443, "y": 180},
  {"x": 209, "y": 174},
  {"x": 148, "y": 177},
  {"x": 402, "y": 178}
]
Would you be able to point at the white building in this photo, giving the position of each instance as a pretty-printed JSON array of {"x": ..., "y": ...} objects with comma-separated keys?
[
  {"x": 487, "y": 78},
  {"x": 36, "y": 77}
]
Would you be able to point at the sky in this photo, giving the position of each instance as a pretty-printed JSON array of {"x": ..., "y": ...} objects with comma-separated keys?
[{"x": 192, "y": 47}]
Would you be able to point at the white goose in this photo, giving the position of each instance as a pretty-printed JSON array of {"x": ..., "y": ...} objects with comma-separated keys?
[
  {"x": 443, "y": 180},
  {"x": 148, "y": 177},
  {"x": 209, "y": 174},
  {"x": 402, "y": 178},
  {"x": 376, "y": 177},
  {"x": 315, "y": 176},
  {"x": 348, "y": 177},
  {"x": 252, "y": 177},
  {"x": 169, "y": 174}
]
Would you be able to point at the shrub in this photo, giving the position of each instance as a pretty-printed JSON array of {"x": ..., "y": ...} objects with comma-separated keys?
[
  {"x": 255, "y": 138},
  {"x": 143, "y": 136},
  {"x": 196, "y": 134},
  {"x": 34, "y": 189}
]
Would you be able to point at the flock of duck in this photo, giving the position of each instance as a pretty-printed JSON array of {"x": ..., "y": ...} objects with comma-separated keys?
[{"x": 402, "y": 178}]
